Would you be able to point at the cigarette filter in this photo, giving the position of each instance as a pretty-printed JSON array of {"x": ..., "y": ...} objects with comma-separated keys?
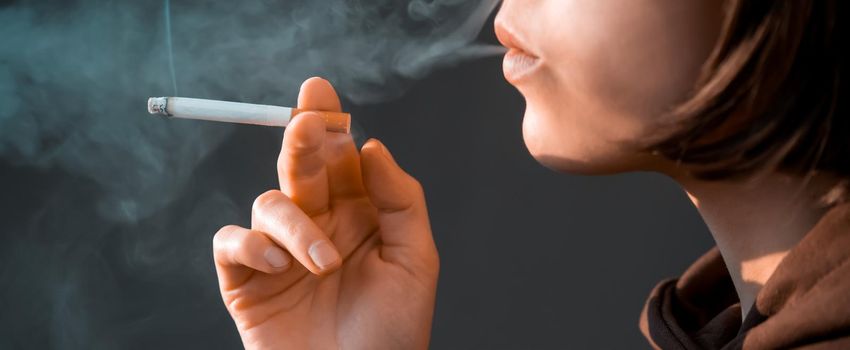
[{"x": 237, "y": 112}]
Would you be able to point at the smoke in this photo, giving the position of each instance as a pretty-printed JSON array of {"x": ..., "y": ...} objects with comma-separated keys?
[
  {"x": 74, "y": 79},
  {"x": 74, "y": 76}
]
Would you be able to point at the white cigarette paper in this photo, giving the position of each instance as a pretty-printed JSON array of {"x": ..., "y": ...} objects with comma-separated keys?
[{"x": 237, "y": 112}]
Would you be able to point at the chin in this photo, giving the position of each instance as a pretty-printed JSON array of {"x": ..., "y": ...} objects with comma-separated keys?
[
  {"x": 575, "y": 156},
  {"x": 567, "y": 165}
]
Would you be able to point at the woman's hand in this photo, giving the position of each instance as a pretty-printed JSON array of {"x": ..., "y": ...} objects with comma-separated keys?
[{"x": 341, "y": 257}]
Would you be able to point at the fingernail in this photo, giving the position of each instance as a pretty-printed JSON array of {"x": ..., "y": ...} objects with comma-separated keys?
[
  {"x": 276, "y": 257},
  {"x": 323, "y": 254}
]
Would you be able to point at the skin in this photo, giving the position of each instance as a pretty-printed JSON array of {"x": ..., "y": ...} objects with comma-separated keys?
[
  {"x": 606, "y": 72},
  {"x": 756, "y": 222},
  {"x": 603, "y": 74},
  {"x": 377, "y": 288}
]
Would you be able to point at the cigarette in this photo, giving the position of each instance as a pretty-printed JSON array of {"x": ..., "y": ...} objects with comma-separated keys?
[{"x": 237, "y": 112}]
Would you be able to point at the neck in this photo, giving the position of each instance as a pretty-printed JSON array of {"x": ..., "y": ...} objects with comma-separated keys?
[{"x": 756, "y": 222}]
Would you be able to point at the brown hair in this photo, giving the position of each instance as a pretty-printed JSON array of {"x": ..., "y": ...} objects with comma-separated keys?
[{"x": 770, "y": 97}]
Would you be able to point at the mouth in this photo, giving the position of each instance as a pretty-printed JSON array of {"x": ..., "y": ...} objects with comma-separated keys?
[{"x": 519, "y": 63}]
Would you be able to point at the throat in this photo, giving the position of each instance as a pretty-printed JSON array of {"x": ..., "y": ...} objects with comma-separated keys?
[
  {"x": 752, "y": 276},
  {"x": 756, "y": 223}
]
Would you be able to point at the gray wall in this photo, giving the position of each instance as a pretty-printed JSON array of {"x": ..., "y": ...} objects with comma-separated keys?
[{"x": 530, "y": 258}]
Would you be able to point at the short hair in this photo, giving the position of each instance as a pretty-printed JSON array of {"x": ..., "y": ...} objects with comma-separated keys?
[{"x": 771, "y": 96}]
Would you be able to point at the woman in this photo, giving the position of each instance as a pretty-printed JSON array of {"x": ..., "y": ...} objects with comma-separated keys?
[{"x": 739, "y": 101}]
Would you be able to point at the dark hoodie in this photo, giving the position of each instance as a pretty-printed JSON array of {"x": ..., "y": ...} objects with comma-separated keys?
[{"x": 805, "y": 304}]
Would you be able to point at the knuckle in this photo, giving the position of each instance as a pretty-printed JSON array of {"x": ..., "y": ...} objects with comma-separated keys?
[
  {"x": 435, "y": 265},
  {"x": 304, "y": 136},
  {"x": 281, "y": 163},
  {"x": 300, "y": 148},
  {"x": 222, "y": 234},
  {"x": 263, "y": 201},
  {"x": 250, "y": 240},
  {"x": 293, "y": 228},
  {"x": 222, "y": 237},
  {"x": 417, "y": 187}
]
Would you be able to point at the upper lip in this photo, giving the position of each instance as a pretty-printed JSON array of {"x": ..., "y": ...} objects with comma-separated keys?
[{"x": 510, "y": 40}]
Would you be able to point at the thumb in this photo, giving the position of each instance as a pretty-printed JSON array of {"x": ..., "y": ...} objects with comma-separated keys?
[{"x": 400, "y": 201}]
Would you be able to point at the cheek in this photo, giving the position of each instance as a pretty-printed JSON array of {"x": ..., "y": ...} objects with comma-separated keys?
[
  {"x": 609, "y": 77},
  {"x": 573, "y": 121},
  {"x": 565, "y": 129},
  {"x": 635, "y": 57}
]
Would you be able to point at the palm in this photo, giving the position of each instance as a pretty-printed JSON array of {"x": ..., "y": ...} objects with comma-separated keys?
[{"x": 382, "y": 294}]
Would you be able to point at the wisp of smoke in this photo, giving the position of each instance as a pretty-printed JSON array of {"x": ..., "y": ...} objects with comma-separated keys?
[
  {"x": 74, "y": 77},
  {"x": 168, "y": 43}
]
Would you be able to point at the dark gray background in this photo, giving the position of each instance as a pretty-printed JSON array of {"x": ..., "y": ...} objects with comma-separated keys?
[{"x": 530, "y": 258}]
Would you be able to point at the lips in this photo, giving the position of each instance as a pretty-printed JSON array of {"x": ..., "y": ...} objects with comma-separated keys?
[{"x": 519, "y": 63}]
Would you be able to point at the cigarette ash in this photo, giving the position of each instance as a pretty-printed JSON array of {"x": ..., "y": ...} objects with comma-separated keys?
[{"x": 129, "y": 221}]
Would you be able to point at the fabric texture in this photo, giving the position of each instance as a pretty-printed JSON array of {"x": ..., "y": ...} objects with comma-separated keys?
[{"x": 805, "y": 304}]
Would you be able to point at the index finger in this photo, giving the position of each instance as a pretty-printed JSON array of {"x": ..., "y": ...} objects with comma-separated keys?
[
  {"x": 302, "y": 169},
  {"x": 342, "y": 161}
]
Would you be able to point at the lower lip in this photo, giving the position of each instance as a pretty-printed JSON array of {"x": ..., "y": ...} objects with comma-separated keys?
[{"x": 518, "y": 65}]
